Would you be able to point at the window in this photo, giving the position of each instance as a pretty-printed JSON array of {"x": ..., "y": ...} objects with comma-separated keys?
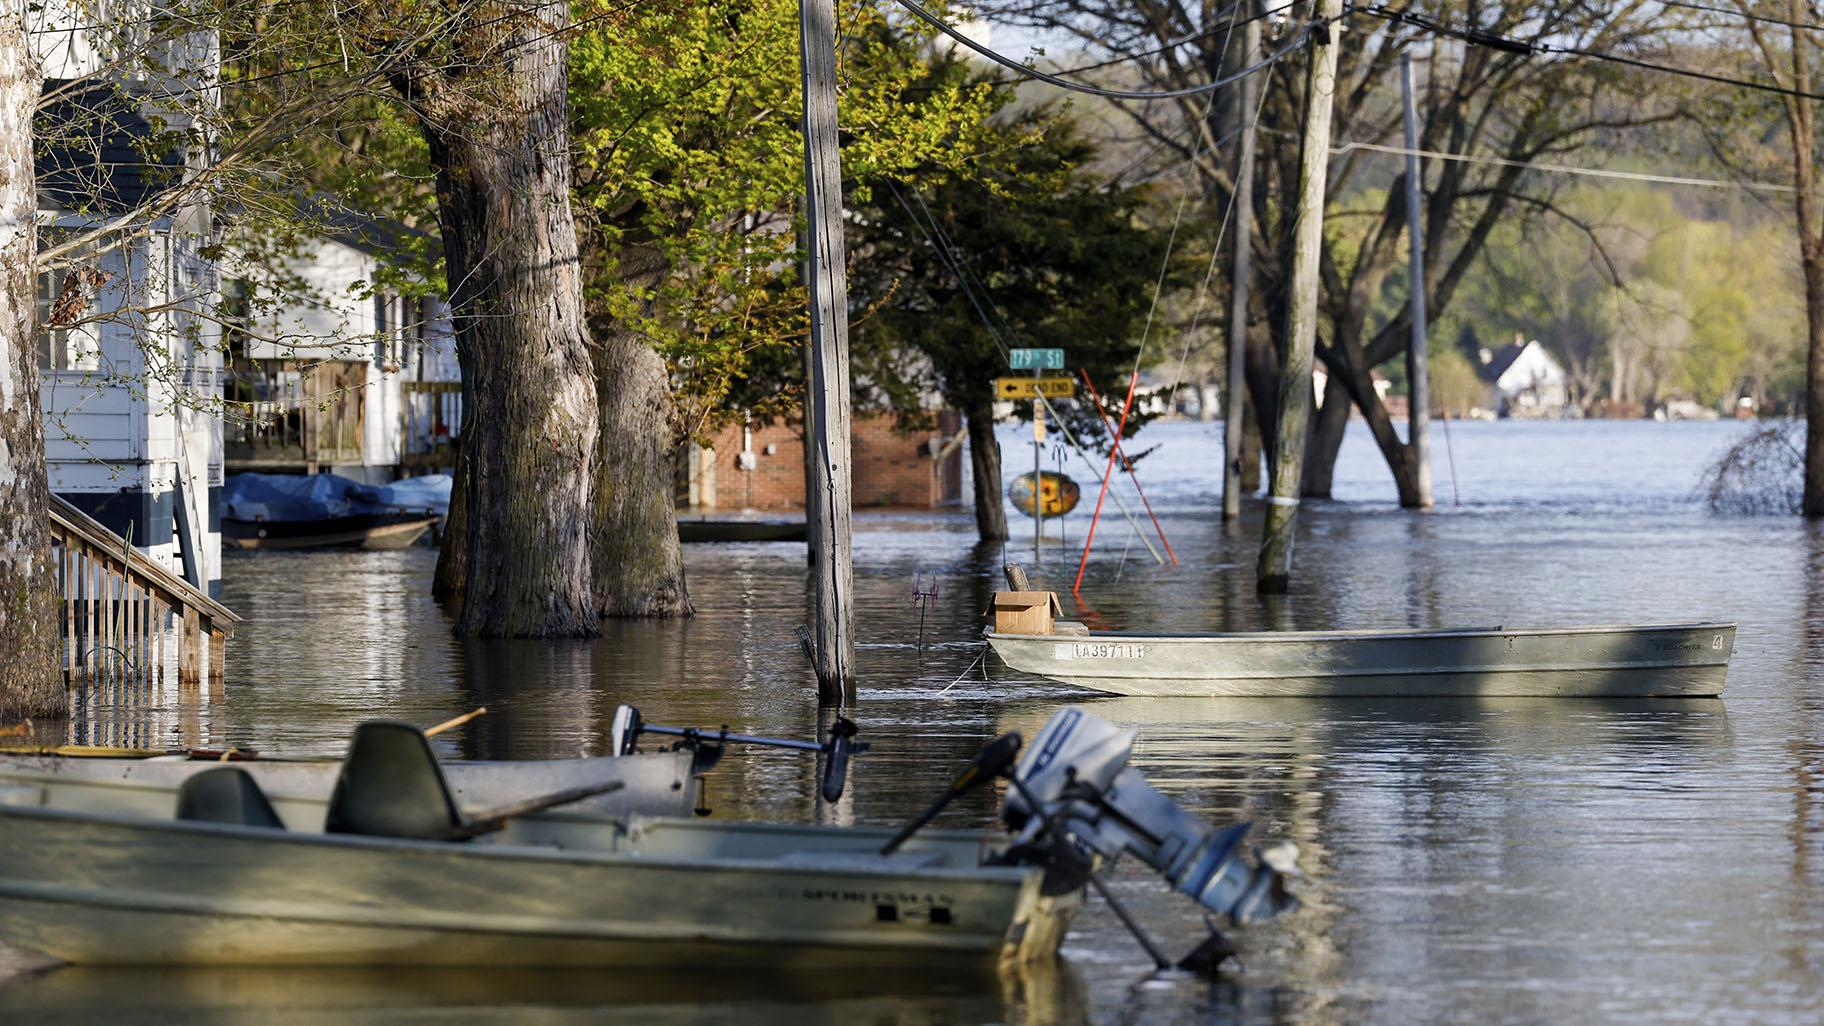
[
  {"x": 387, "y": 331},
  {"x": 236, "y": 310},
  {"x": 67, "y": 337}
]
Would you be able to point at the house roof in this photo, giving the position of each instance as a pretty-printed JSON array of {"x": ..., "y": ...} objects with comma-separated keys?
[
  {"x": 1500, "y": 360},
  {"x": 97, "y": 152},
  {"x": 366, "y": 232}
]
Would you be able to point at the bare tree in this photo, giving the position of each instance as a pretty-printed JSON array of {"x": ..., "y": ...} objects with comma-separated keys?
[
  {"x": 29, "y": 682},
  {"x": 1788, "y": 52},
  {"x": 1485, "y": 95}
]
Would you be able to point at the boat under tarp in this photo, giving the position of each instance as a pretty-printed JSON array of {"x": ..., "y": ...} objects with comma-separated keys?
[
  {"x": 295, "y": 511},
  {"x": 1677, "y": 660}
]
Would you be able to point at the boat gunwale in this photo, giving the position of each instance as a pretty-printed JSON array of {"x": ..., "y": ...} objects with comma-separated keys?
[
  {"x": 542, "y": 853},
  {"x": 1364, "y": 634}
]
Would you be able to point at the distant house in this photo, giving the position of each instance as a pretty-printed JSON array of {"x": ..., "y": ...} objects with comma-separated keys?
[
  {"x": 331, "y": 370},
  {"x": 1524, "y": 380},
  {"x": 125, "y": 346}
]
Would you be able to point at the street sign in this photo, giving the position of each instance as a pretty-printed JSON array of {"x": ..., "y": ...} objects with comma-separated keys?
[
  {"x": 1032, "y": 388},
  {"x": 1035, "y": 359}
]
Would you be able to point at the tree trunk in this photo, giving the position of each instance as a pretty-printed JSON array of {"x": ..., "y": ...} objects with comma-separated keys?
[
  {"x": 639, "y": 565},
  {"x": 1250, "y": 452},
  {"x": 29, "y": 639},
  {"x": 453, "y": 551},
  {"x": 500, "y": 150},
  {"x": 1327, "y": 440},
  {"x": 985, "y": 466},
  {"x": 1813, "y": 499}
]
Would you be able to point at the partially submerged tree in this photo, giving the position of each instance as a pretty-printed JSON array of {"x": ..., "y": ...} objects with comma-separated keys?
[
  {"x": 489, "y": 95},
  {"x": 29, "y": 681},
  {"x": 1502, "y": 101}
]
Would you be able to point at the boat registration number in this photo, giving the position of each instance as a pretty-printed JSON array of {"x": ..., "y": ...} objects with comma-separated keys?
[{"x": 1100, "y": 650}]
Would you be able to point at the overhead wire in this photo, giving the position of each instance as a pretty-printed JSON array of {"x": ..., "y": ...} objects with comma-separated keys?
[
  {"x": 1482, "y": 37},
  {"x": 1566, "y": 169},
  {"x": 1739, "y": 13},
  {"x": 924, "y": 14}
]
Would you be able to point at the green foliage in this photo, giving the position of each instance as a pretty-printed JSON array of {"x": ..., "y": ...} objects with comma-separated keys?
[
  {"x": 1647, "y": 298},
  {"x": 690, "y": 167},
  {"x": 1056, "y": 257}
]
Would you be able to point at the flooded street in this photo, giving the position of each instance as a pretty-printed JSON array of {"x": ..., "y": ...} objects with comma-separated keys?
[{"x": 1503, "y": 861}]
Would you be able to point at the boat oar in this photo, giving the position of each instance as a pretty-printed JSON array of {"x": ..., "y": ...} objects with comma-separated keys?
[
  {"x": 496, "y": 818},
  {"x": 989, "y": 763},
  {"x": 452, "y": 724}
]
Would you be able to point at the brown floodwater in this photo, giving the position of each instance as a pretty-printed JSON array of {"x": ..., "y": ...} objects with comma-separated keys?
[{"x": 1481, "y": 861}]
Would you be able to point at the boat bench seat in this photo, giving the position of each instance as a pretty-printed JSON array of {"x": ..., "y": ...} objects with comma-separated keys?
[
  {"x": 868, "y": 859},
  {"x": 226, "y": 794},
  {"x": 1070, "y": 628}
]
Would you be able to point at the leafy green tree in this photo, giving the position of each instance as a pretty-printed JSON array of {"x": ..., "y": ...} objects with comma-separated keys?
[{"x": 1036, "y": 253}]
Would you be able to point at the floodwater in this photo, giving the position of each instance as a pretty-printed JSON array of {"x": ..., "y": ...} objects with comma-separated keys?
[{"x": 1481, "y": 861}]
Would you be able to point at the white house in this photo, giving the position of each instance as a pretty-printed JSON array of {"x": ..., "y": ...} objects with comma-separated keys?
[
  {"x": 1525, "y": 379},
  {"x": 128, "y": 364},
  {"x": 331, "y": 371}
]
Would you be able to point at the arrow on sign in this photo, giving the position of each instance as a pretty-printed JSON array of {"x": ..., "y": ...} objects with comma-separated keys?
[{"x": 1032, "y": 388}]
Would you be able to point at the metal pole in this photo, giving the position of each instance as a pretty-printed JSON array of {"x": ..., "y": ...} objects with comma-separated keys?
[
  {"x": 1418, "y": 370},
  {"x": 1232, "y": 426},
  {"x": 1038, "y": 509},
  {"x": 827, "y": 406},
  {"x": 1273, "y": 574}
]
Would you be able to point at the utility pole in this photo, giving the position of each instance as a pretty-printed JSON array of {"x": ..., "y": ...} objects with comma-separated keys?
[
  {"x": 1418, "y": 357},
  {"x": 1233, "y": 411},
  {"x": 1274, "y": 572},
  {"x": 826, "y": 407}
]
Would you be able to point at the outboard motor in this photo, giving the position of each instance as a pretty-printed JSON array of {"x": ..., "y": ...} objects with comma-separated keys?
[{"x": 1076, "y": 774}]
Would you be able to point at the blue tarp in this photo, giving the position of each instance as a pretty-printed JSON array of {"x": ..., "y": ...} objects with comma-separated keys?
[{"x": 305, "y": 497}]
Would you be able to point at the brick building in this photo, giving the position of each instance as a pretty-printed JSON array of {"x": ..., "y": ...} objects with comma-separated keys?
[{"x": 761, "y": 467}]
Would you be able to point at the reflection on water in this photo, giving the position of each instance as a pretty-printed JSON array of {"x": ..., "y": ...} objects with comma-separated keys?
[{"x": 1490, "y": 861}]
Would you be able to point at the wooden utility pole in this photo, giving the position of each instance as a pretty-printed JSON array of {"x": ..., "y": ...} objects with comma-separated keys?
[
  {"x": 1233, "y": 410},
  {"x": 1418, "y": 358},
  {"x": 1274, "y": 571},
  {"x": 826, "y": 405}
]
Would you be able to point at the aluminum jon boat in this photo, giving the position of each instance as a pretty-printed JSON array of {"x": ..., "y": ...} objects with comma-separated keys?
[
  {"x": 398, "y": 875},
  {"x": 655, "y": 784},
  {"x": 1688, "y": 660}
]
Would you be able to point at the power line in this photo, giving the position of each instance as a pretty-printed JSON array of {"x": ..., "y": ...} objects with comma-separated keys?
[
  {"x": 1565, "y": 169},
  {"x": 1181, "y": 41},
  {"x": 1738, "y": 13},
  {"x": 1481, "y": 37},
  {"x": 1077, "y": 87}
]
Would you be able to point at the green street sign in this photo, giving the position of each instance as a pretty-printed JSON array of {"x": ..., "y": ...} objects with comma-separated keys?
[{"x": 1035, "y": 359}]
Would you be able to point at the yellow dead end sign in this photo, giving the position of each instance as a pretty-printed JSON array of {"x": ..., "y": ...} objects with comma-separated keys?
[{"x": 1032, "y": 388}]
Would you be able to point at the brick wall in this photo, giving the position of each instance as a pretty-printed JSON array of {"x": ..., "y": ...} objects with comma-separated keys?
[{"x": 892, "y": 468}]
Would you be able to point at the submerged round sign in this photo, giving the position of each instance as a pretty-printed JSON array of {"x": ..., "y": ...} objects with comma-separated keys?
[{"x": 1058, "y": 494}]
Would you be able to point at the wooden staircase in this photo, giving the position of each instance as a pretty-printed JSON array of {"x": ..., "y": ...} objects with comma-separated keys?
[{"x": 120, "y": 609}]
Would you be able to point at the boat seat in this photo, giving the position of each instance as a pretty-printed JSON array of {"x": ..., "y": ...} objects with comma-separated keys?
[
  {"x": 391, "y": 786},
  {"x": 226, "y": 794},
  {"x": 1070, "y": 628}
]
